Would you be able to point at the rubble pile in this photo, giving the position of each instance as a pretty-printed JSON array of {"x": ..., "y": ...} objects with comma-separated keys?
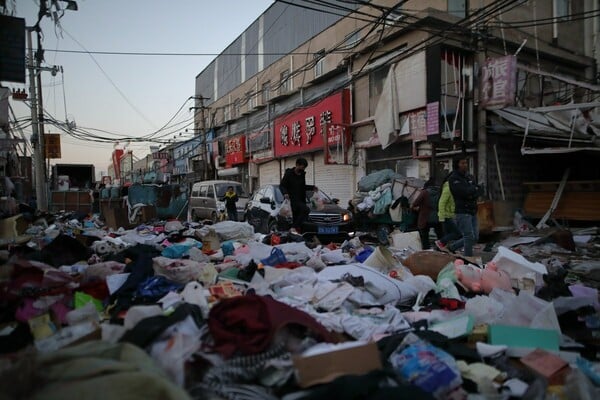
[{"x": 180, "y": 310}]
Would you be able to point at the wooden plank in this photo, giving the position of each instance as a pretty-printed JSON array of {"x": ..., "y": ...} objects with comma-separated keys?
[
  {"x": 578, "y": 206},
  {"x": 555, "y": 200}
]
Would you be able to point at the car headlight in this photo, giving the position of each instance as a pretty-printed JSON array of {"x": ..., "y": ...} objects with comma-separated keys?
[{"x": 346, "y": 217}]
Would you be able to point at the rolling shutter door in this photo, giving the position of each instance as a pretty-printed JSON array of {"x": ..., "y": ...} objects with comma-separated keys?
[
  {"x": 269, "y": 173},
  {"x": 337, "y": 181}
]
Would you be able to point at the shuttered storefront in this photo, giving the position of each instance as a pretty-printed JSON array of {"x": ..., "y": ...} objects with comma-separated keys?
[
  {"x": 337, "y": 181},
  {"x": 269, "y": 172}
]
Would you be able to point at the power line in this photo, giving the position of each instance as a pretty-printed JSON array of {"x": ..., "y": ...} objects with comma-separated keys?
[{"x": 111, "y": 81}]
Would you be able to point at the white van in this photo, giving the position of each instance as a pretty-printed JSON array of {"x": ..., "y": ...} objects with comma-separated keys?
[{"x": 205, "y": 200}]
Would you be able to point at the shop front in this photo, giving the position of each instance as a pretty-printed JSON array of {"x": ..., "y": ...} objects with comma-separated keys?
[
  {"x": 263, "y": 168},
  {"x": 236, "y": 161},
  {"x": 321, "y": 134}
]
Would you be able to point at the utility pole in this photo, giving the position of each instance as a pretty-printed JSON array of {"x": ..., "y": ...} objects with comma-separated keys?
[
  {"x": 202, "y": 130},
  {"x": 38, "y": 151}
]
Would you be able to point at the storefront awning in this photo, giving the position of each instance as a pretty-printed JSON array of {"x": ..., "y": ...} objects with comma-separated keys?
[{"x": 572, "y": 127}]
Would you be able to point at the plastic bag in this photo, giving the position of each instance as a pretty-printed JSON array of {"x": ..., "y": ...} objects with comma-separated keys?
[
  {"x": 426, "y": 366},
  {"x": 286, "y": 208},
  {"x": 316, "y": 202}
]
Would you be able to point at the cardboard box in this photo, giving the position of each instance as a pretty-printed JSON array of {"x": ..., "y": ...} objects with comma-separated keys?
[
  {"x": 548, "y": 365},
  {"x": 325, "y": 367}
]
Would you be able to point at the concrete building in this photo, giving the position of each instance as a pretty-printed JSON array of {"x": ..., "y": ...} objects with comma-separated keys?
[{"x": 406, "y": 85}]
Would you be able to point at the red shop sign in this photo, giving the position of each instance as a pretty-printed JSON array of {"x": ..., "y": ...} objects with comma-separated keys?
[
  {"x": 301, "y": 131},
  {"x": 235, "y": 150}
]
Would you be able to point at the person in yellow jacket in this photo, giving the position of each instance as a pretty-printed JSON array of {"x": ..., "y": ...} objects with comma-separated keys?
[
  {"x": 446, "y": 217},
  {"x": 230, "y": 198}
]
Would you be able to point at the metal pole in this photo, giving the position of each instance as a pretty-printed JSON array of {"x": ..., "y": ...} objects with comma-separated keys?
[
  {"x": 38, "y": 155},
  {"x": 38, "y": 60}
]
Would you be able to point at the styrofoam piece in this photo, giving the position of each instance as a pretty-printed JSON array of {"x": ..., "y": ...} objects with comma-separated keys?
[
  {"x": 519, "y": 267},
  {"x": 406, "y": 240}
]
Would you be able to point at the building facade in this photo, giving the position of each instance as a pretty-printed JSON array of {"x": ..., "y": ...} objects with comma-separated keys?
[{"x": 407, "y": 85}]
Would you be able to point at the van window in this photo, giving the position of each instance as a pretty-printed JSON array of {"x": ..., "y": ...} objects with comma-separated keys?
[
  {"x": 195, "y": 191},
  {"x": 210, "y": 192},
  {"x": 203, "y": 190}
]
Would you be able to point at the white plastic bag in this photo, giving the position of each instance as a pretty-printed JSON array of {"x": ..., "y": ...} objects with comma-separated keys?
[
  {"x": 316, "y": 201},
  {"x": 286, "y": 208}
]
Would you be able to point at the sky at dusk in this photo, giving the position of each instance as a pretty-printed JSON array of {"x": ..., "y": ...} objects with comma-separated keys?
[{"x": 126, "y": 94}]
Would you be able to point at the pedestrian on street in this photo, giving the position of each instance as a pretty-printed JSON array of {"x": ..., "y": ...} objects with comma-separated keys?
[
  {"x": 426, "y": 213},
  {"x": 230, "y": 198},
  {"x": 465, "y": 192},
  {"x": 446, "y": 216},
  {"x": 293, "y": 186}
]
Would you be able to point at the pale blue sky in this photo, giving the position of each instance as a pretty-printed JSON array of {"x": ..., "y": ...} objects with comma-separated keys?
[{"x": 155, "y": 86}]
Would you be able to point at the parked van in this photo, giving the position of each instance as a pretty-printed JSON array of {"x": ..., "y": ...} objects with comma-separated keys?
[{"x": 205, "y": 200}]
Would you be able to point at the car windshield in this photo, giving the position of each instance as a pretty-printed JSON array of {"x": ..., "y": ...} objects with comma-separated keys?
[
  {"x": 309, "y": 193},
  {"x": 222, "y": 188}
]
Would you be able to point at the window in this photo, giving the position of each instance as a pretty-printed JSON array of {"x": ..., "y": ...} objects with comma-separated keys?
[
  {"x": 457, "y": 8},
  {"x": 319, "y": 63},
  {"x": 376, "y": 80},
  {"x": 210, "y": 191},
  {"x": 236, "y": 109},
  {"x": 284, "y": 85},
  {"x": 251, "y": 99},
  {"x": 226, "y": 113},
  {"x": 266, "y": 92},
  {"x": 203, "y": 190},
  {"x": 352, "y": 39},
  {"x": 562, "y": 9}
]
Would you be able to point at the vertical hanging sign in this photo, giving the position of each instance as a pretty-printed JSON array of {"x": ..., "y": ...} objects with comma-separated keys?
[
  {"x": 498, "y": 82},
  {"x": 52, "y": 145}
]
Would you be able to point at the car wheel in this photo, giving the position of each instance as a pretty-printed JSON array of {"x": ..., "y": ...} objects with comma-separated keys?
[
  {"x": 213, "y": 217},
  {"x": 195, "y": 218}
]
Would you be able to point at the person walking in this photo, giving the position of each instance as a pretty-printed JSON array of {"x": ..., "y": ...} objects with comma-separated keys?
[
  {"x": 465, "y": 191},
  {"x": 426, "y": 214},
  {"x": 293, "y": 186},
  {"x": 446, "y": 217},
  {"x": 230, "y": 198}
]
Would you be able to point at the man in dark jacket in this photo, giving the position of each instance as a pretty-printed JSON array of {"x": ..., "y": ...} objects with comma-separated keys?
[
  {"x": 293, "y": 186},
  {"x": 465, "y": 192}
]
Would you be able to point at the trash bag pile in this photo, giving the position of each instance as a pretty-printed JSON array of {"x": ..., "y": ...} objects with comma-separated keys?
[{"x": 179, "y": 310}]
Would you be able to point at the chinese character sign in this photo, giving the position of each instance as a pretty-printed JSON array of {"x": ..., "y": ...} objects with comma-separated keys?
[
  {"x": 303, "y": 130},
  {"x": 433, "y": 118},
  {"x": 417, "y": 121},
  {"x": 498, "y": 82},
  {"x": 235, "y": 150}
]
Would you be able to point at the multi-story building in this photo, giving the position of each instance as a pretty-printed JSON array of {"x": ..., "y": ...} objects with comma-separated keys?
[{"x": 406, "y": 85}]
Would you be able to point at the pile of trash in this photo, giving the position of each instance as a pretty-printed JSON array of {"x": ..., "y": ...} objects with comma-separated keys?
[{"x": 180, "y": 310}]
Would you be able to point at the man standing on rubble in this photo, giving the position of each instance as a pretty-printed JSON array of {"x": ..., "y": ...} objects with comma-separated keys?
[
  {"x": 293, "y": 186},
  {"x": 465, "y": 192}
]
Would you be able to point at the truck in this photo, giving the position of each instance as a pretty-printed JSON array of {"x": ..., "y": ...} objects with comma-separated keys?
[
  {"x": 73, "y": 188},
  {"x": 73, "y": 177}
]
